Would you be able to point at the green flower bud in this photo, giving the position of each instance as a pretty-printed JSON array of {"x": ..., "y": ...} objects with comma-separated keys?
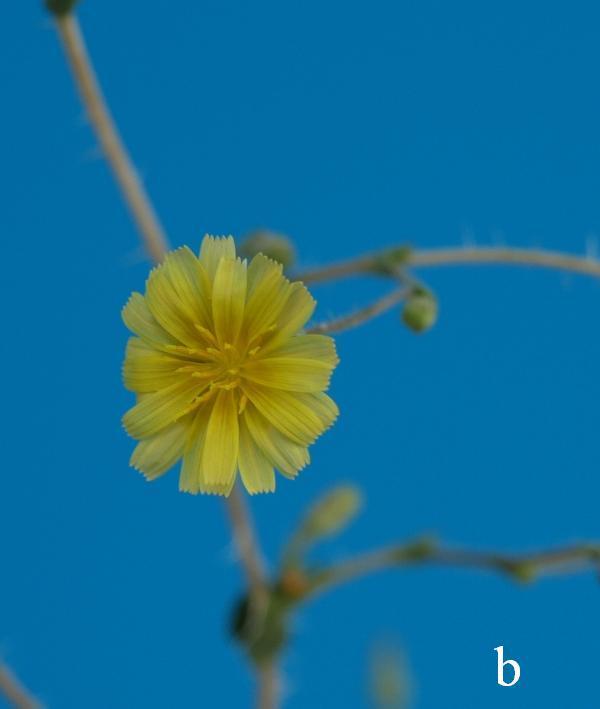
[
  {"x": 420, "y": 311},
  {"x": 332, "y": 512},
  {"x": 276, "y": 246},
  {"x": 60, "y": 7},
  {"x": 391, "y": 685},
  {"x": 329, "y": 515}
]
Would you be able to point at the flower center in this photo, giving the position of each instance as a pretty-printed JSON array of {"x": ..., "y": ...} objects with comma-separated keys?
[{"x": 229, "y": 361}]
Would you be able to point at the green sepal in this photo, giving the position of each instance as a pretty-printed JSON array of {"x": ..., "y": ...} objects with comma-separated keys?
[
  {"x": 60, "y": 7},
  {"x": 262, "y": 634},
  {"x": 388, "y": 262}
]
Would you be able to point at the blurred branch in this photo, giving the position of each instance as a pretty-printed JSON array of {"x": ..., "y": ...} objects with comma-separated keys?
[
  {"x": 269, "y": 685},
  {"x": 520, "y": 567},
  {"x": 156, "y": 242},
  {"x": 361, "y": 316},
  {"x": 14, "y": 692},
  {"x": 371, "y": 263},
  {"x": 246, "y": 542},
  {"x": 108, "y": 135}
]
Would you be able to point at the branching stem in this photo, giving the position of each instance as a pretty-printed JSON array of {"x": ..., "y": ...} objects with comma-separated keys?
[
  {"x": 347, "y": 322},
  {"x": 522, "y": 567},
  {"x": 457, "y": 256}
]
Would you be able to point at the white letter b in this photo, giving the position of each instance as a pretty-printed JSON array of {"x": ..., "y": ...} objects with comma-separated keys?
[{"x": 501, "y": 665}]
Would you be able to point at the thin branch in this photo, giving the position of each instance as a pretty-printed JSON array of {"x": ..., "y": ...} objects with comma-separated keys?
[
  {"x": 269, "y": 685},
  {"x": 361, "y": 316},
  {"x": 108, "y": 135},
  {"x": 371, "y": 264},
  {"x": 522, "y": 567},
  {"x": 156, "y": 243},
  {"x": 267, "y": 675},
  {"x": 246, "y": 542},
  {"x": 14, "y": 691}
]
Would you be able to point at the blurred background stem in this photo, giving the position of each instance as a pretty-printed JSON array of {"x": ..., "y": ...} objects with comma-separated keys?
[{"x": 14, "y": 691}]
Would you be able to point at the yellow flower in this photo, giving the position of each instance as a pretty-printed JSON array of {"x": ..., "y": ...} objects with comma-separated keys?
[{"x": 224, "y": 377}]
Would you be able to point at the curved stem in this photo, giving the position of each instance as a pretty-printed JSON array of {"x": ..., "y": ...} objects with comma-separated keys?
[
  {"x": 371, "y": 264},
  {"x": 522, "y": 567},
  {"x": 361, "y": 316},
  {"x": 14, "y": 691},
  {"x": 108, "y": 135},
  {"x": 157, "y": 245}
]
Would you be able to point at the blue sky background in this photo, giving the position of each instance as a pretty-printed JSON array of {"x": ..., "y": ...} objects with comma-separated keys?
[{"x": 350, "y": 126}]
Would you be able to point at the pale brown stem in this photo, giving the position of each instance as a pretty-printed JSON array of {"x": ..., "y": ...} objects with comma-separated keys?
[
  {"x": 524, "y": 567},
  {"x": 347, "y": 322},
  {"x": 269, "y": 686},
  {"x": 14, "y": 691},
  {"x": 109, "y": 138},
  {"x": 456, "y": 256},
  {"x": 246, "y": 542},
  {"x": 157, "y": 245}
]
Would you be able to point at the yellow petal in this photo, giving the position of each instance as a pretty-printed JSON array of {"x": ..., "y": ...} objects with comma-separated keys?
[
  {"x": 147, "y": 369},
  {"x": 268, "y": 291},
  {"x": 213, "y": 249},
  {"x": 323, "y": 406},
  {"x": 288, "y": 457},
  {"x": 289, "y": 374},
  {"x": 298, "y": 309},
  {"x": 192, "y": 478},
  {"x": 154, "y": 456},
  {"x": 138, "y": 318},
  {"x": 261, "y": 267},
  {"x": 317, "y": 347},
  {"x": 220, "y": 454},
  {"x": 301, "y": 417},
  {"x": 303, "y": 364},
  {"x": 228, "y": 299},
  {"x": 256, "y": 471},
  {"x": 191, "y": 283},
  {"x": 155, "y": 412},
  {"x": 177, "y": 293}
]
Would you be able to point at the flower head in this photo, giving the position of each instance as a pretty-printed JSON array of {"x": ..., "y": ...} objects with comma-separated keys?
[{"x": 224, "y": 377}]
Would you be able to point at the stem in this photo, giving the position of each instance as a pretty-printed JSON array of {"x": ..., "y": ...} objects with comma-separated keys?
[
  {"x": 523, "y": 567},
  {"x": 364, "y": 314},
  {"x": 14, "y": 691},
  {"x": 268, "y": 686},
  {"x": 454, "y": 257},
  {"x": 157, "y": 245},
  {"x": 108, "y": 135},
  {"x": 246, "y": 542}
]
